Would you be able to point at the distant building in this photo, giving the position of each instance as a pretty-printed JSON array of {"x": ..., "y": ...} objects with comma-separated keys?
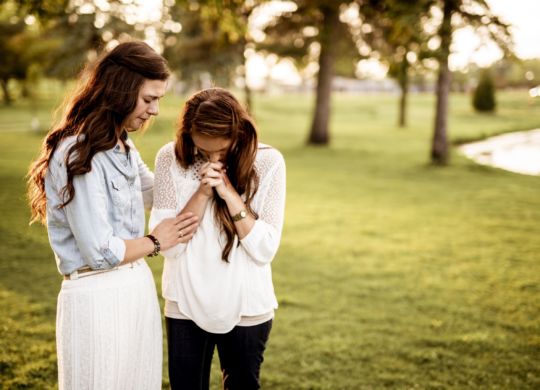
[
  {"x": 343, "y": 84},
  {"x": 346, "y": 85}
]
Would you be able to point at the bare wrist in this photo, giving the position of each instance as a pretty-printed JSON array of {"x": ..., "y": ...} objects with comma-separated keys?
[
  {"x": 204, "y": 194},
  {"x": 234, "y": 202},
  {"x": 228, "y": 197}
]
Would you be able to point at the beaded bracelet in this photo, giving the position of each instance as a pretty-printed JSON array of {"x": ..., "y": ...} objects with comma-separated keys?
[{"x": 157, "y": 245}]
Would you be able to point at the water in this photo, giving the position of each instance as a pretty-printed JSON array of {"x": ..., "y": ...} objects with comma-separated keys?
[{"x": 515, "y": 152}]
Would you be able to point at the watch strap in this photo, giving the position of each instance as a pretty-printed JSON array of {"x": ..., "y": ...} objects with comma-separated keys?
[{"x": 239, "y": 216}]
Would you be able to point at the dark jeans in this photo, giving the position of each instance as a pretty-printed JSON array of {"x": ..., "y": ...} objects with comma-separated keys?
[{"x": 191, "y": 350}]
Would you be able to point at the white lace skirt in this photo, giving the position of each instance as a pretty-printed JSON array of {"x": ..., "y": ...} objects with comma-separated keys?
[{"x": 108, "y": 331}]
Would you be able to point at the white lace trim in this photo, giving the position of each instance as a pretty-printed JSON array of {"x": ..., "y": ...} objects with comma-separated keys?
[{"x": 174, "y": 185}]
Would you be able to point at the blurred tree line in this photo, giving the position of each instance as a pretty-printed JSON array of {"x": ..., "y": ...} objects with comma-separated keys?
[{"x": 213, "y": 39}]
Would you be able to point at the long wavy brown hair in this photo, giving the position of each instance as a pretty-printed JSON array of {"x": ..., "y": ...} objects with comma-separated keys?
[
  {"x": 106, "y": 94},
  {"x": 216, "y": 112}
]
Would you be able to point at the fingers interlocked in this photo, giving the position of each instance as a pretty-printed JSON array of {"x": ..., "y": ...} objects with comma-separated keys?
[{"x": 211, "y": 170}]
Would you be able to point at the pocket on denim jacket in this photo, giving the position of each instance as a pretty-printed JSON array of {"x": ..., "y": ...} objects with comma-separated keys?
[{"x": 120, "y": 191}]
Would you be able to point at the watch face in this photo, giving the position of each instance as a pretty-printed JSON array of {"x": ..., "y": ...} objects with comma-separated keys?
[{"x": 241, "y": 215}]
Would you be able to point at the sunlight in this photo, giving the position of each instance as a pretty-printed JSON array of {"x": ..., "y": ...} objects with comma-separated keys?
[{"x": 467, "y": 48}]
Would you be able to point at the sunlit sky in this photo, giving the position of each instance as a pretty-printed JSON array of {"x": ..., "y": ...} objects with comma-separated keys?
[
  {"x": 523, "y": 15},
  {"x": 468, "y": 47}
]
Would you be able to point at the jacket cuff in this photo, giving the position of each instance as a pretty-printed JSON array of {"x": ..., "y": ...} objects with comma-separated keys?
[{"x": 114, "y": 252}]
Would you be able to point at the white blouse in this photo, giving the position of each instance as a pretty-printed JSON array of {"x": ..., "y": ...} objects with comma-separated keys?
[{"x": 214, "y": 294}]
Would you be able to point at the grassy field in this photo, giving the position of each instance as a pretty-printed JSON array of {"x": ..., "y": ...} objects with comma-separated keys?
[{"x": 391, "y": 274}]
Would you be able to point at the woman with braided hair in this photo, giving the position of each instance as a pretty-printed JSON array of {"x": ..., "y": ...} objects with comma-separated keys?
[
  {"x": 90, "y": 186},
  {"x": 218, "y": 286}
]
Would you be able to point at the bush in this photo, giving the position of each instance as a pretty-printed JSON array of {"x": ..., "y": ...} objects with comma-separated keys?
[{"x": 484, "y": 94}]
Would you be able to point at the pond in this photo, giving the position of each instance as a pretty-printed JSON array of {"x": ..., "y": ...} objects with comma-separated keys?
[{"x": 517, "y": 152}]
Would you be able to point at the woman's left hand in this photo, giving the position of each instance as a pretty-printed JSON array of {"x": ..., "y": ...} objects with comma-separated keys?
[{"x": 216, "y": 177}]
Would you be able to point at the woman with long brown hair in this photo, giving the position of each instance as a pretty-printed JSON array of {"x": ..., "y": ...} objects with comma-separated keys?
[
  {"x": 89, "y": 185},
  {"x": 218, "y": 286}
]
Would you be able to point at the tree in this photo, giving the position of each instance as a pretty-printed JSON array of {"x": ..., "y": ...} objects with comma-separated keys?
[
  {"x": 213, "y": 39},
  {"x": 516, "y": 73},
  {"x": 42, "y": 9},
  {"x": 319, "y": 125},
  {"x": 484, "y": 94},
  {"x": 75, "y": 36},
  {"x": 80, "y": 31},
  {"x": 57, "y": 37},
  {"x": 473, "y": 13},
  {"x": 397, "y": 34},
  {"x": 20, "y": 48},
  {"x": 200, "y": 47},
  {"x": 242, "y": 11},
  {"x": 314, "y": 25},
  {"x": 12, "y": 65}
]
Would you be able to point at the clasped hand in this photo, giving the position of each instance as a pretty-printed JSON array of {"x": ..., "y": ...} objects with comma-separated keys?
[{"x": 213, "y": 175}]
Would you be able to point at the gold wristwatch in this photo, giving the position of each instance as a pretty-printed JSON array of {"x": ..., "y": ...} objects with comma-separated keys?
[{"x": 241, "y": 215}]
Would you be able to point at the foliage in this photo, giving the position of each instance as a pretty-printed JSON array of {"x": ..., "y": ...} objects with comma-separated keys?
[
  {"x": 297, "y": 35},
  {"x": 56, "y": 38},
  {"x": 513, "y": 73},
  {"x": 12, "y": 65},
  {"x": 475, "y": 13},
  {"x": 397, "y": 36},
  {"x": 396, "y": 29},
  {"x": 315, "y": 30},
  {"x": 386, "y": 277},
  {"x": 212, "y": 42},
  {"x": 20, "y": 47},
  {"x": 42, "y": 9},
  {"x": 202, "y": 47},
  {"x": 78, "y": 36},
  {"x": 484, "y": 94}
]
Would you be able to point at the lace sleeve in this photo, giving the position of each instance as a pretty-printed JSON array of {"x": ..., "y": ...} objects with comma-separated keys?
[
  {"x": 271, "y": 203},
  {"x": 165, "y": 198},
  {"x": 165, "y": 203},
  {"x": 262, "y": 242},
  {"x": 164, "y": 194}
]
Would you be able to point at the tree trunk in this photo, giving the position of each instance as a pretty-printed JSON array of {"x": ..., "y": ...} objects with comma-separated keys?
[
  {"x": 439, "y": 146},
  {"x": 321, "y": 117},
  {"x": 246, "y": 12},
  {"x": 5, "y": 90},
  {"x": 403, "y": 80},
  {"x": 248, "y": 96},
  {"x": 25, "y": 91}
]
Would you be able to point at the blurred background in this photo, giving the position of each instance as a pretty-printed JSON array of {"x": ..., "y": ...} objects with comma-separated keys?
[{"x": 410, "y": 252}]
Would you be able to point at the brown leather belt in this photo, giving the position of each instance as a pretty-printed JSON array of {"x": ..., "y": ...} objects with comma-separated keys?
[
  {"x": 75, "y": 274},
  {"x": 89, "y": 271}
]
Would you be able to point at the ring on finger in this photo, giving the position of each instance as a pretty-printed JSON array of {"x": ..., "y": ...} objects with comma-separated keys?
[{"x": 181, "y": 233}]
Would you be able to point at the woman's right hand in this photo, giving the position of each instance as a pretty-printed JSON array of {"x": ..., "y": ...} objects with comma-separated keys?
[
  {"x": 209, "y": 173},
  {"x": 174, "y": 231}
]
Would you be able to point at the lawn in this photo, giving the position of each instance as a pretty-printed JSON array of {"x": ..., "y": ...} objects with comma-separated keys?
[{"x": 392, "y": 273}]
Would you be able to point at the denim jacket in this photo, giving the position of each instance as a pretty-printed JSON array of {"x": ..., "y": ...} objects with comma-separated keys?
[{"x": 108, "y": 207}]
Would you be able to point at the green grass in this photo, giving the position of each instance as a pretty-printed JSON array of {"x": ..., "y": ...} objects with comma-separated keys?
[{"x": 391, "y": 273}]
